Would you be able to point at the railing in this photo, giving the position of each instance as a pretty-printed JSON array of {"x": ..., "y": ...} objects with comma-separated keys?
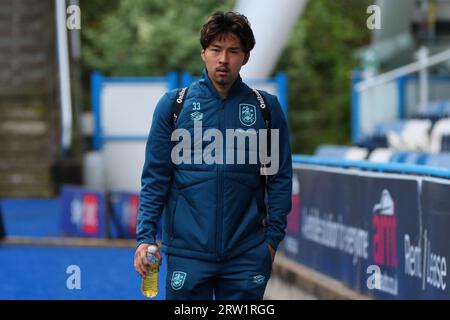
[
  {"x": 421, "y": 66},
  {"x": 402, "y": 168}
]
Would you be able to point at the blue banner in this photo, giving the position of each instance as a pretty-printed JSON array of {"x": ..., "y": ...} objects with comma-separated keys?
[
  {"x": 83, "y": 212},
  {"x": 324, "y": 220},
  {"x": 434, "y": 250},
  {"x": 390, "y": 209},
  {"x": 360, "y": 228},
  {"x": 125, "y": 208}
]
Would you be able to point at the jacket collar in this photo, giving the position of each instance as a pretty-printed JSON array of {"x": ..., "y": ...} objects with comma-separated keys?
[{"x": 234, "y": 90}]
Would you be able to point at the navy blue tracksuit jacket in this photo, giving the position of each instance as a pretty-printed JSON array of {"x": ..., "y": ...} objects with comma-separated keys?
[{"x": 213, "y": 212}]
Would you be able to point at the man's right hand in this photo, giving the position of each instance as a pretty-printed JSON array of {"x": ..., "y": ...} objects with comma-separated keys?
[{"x": 140, "y": 258}]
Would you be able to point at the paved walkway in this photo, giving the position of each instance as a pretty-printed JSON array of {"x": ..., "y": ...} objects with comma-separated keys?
[
  {"x": 279, "y": 289},
  {"x": 292, "y": 281}
]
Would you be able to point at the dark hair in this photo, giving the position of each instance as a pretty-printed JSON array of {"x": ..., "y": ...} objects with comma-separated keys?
[{"x": 222, "y": 23}]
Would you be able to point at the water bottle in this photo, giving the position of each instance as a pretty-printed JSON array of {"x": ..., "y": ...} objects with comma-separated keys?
[{"x": 150, "y": 282}]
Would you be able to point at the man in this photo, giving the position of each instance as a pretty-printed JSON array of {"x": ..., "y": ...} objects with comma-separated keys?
[{"x": 219, "y": 236}]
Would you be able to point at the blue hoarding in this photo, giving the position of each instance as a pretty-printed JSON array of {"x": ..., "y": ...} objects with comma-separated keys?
[
  {"x": 384, "y": 235},
  {"x": 83, "y": 212},
  {"x": 434, "y": 248}
]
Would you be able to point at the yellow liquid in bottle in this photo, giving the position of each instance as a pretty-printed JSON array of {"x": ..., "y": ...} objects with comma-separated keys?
[{"x": 150, "y": 282}]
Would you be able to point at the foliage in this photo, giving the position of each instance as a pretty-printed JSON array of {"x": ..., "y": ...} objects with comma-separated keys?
[
  {"x": 141, "y": 37},
  {"x": 319, "y": 61}
]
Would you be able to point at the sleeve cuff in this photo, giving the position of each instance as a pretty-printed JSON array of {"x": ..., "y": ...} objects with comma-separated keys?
[{"x": 149, "y": 240}]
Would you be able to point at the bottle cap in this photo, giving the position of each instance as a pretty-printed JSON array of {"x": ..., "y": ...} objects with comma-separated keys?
[{"x": 152, "y": 248}]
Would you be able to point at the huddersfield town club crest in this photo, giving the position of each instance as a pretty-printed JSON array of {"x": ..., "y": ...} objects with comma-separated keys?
[
  {"x": 247, "y": 114},
  {"x": 178, "y": 278},
  {"x": 259, "y": 279}
]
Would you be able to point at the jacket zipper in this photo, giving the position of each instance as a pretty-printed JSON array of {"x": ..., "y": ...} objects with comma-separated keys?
[{"x": 219, "y": 217}]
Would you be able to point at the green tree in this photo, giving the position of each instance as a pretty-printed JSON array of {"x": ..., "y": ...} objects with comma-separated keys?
[
  {"x": 140, "y": 37},
  {"x": 318, "y": 61}
]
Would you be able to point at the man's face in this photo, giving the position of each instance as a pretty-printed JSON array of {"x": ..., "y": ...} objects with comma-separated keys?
[{"x": 224, "y": 58}]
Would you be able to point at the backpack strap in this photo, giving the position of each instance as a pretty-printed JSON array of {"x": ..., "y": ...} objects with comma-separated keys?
[
  {"x": 266, "y": 115},
  {"x": 177, "y": 105}
]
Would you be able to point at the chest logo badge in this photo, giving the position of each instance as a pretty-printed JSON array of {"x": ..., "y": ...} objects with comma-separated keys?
[{"x": 247, "y": 114}]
